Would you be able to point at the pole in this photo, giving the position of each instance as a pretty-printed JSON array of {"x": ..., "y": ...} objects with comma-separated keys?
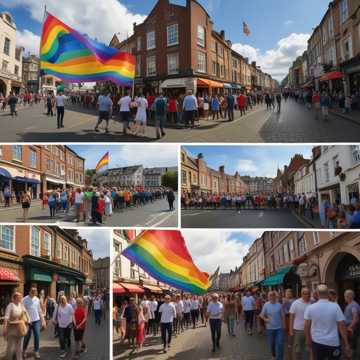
[
  {"x": 42, "y": 29},
  {"x": 133, "y": 89}
]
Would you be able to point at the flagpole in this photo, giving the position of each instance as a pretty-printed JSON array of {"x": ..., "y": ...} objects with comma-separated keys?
[{"x": 42, "y": 29}]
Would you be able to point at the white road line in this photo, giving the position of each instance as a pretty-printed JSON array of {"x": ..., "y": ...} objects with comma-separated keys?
[
  {"x": 194, "y": 214},
  {"x": 163, "y": 220},
  {"x": 261, "y": 214}
]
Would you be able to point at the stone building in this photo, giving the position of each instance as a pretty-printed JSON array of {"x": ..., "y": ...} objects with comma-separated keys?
[
  {"x": 101, "y": 273},
  {"x": 31, "y": 73},
  {"x": 153, "y": 176},
  {"x": 258, "y": 184}
]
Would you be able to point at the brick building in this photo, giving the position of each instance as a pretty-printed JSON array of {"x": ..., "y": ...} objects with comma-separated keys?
[
  {"x": 48, "y": 257},
  {"x": 74, "y": 168},
  {"x": 101, "y": 273},
  {"x": 178, "y": 48}
]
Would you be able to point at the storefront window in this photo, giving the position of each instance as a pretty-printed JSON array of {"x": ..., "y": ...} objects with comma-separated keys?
[
  {"x": 35, "y": 241},
  {"x": 7, "y": 240}
]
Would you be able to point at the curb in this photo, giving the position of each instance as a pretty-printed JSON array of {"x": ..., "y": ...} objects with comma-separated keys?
[
  {"x": 348, "y": 118},
  {"x": 304, "y": 220}
]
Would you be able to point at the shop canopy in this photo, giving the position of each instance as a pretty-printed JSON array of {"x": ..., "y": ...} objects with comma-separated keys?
[
  {"x": 7, "y": 275},
  {"x": 308, "y": 84},
  {"x": 332, "y": 76},
  {"x": 55, "y": 181},
  {"x": 174, "y": 83},
  {"x": 26, "y": 180},
  {"x": 228, "y": 86},
  {"x": 37, "y": 275},
  {"x": 5, "y": 173},
  {"x": 133, "y": 288},
  {"x": 118, "y": 289},
  {"x": 209, "y": 83},
  {"x": 278, "y": 278},
  {"x": 236, "y": 86},
  {"x": 153, "y": 289}
]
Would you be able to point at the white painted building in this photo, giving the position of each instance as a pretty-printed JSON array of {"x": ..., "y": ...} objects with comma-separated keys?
[{"x": 305, "y": 180}]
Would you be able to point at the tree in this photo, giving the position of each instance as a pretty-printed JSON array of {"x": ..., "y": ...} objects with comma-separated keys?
[{"x": 170, "y": 179}]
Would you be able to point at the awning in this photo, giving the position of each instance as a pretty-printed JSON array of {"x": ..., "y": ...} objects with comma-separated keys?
[
  {"x": 5, "y": 173},
  {"x": 278, "y": 278},
  {"x": 228, "y": 86},
  {"x": 7, "y": 275},
  {"x": 36, "y": 275},
  {"x": 308, "y": 84},
  {"x": 132, "y": 288},
  {"x": 209, "y": 83},
  {"x": 118, "y": 289},
  {"x": 55, "y": 181},
  {"x": 236, "y": 86},
  {"x": 26, "y": 180},
  {"x": 174, "y": 83},
  {"x": 332, "y": 76},
  {"x": 154, "y": 289}
]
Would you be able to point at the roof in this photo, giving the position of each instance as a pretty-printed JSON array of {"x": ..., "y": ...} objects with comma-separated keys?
[{"x": 127, "y": 170}]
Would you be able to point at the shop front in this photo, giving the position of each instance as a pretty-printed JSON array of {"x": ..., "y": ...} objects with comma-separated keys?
[
  {"x": 51, "y": 183},
  {"x": 177, "y": 86},
  {"x": 39, "y": 278},
  {"x": 5, "y": 180},
  {"x": 124, "y": 291},
  {"x": 209, "y": 87},
  {"x": 352, "y": 75},
  {"x": 9, "y": 282},
  {"x": 152, "y": 289},
  {"x": 332, "y": 82}
]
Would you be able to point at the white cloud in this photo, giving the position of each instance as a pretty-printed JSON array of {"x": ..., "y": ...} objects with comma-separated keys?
[
  {"x": 212, "y": 248},
  {"x": 98, "y": 241},
  {"x": 276, "y": 61},
  {"x": 288, "y": 22},
  {"x": 98, "y": 19},
  {"x": 246, "y": 166},
  {"x": 29, "y": 41}
]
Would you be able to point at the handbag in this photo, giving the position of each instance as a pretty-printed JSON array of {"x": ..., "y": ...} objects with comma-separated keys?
[{"x": 20, "y": 329}]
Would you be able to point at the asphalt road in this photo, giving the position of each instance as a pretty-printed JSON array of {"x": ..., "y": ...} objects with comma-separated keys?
[
  {"x": 231, "y": 219},
  {"x": 196, "y": 344},
  {"x": 293, "y": 124}
]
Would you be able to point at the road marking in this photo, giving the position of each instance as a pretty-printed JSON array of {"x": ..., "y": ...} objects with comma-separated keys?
[
  {"x": 193, "y": 214},
  {"x": 164, "y": 219},
  {"x": 261, "y": 214}
]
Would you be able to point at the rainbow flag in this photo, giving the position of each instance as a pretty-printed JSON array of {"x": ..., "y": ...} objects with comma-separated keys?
[
  {"x": 103, "y": 162},
  {"x": 164, "y": 256},
  {"x": 75, "y": 58}
]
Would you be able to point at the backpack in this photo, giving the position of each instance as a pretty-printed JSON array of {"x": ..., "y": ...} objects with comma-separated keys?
[{"x": 160, "y": 106}]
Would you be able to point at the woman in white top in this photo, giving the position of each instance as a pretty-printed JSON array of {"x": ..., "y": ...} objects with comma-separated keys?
[
  {"x": 108, "y": 204},
  {"x": 16, "y": 316},
  {"x": 140, "y": 119},
  {"x": 64, "y": 318}
]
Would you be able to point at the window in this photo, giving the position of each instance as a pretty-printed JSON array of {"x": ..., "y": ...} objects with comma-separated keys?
[
  {"x": 201, "y": 36},
  {"x": 5, "y": 65},
  {"x": 7, "y": 239},
  {"x": 201, "y": 62},
  {"x": 173, "y": 35},
  {"x": 183, "y": 177},
  {"x": 331, "y": 27},
  {"x": 326, "y": 172},
  {"x": 59, "y": 250},
  {"x": 302, "y": 246},
  {"x": 213, "y": 46},
  {"x": 151, "y": 66},
  {"x": 33, "y": 159},
  {"x": 138, "y": 43},
  {"x": 355, "y": 149},
  {"x": 7, "y": 46},
  {"x": 47, "y": 244},
  {"x": 316, "y": 238},
  {"x": 173, "y": 63},
  {"x": 35, "y": 241},
  {"x": 17, "y": 152},
  {"x": 150, "y": 40},
  {"x": 138, "y": 65},
  {"x": 221, "y": 51},
  {"x": 16, "y": 71},
  {"x": 344, "y": 12},
  {"x": 214, "y": 67},
  {"x": 347, "y": 48}
]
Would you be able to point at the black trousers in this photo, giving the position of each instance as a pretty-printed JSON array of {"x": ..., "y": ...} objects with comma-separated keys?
[
  {"x": 60, "y": 116},
  {"x": 215, "y": 328},
  {"x": 249, "y": 319},
  {"x": 194, "y": 316},
  {"x": 166, "y": 333},
  {"x": 322, "y": 352}
]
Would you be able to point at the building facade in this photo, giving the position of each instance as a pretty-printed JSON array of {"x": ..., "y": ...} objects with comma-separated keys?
[
  {"x": 74, "y": 168},
  {"x": 259, "y": 185},
  {"x": 31, "y": 73},
  {"x": 101, "y": 273},
  {"x": 153, "y": 176}
]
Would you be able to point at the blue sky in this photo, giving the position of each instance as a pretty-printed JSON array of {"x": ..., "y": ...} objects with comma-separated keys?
[
  {"x": 249, "y": 160},
  {"x": 98, "y": 241},
  {"x": 276, "y": 39},
  {"x": 125, "y": 155}
]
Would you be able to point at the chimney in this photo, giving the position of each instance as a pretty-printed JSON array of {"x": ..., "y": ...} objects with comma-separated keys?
[
  {"x": 134, "y": 26},
  {"x": 200, "y": 156},
  {"x": 222, "y": 168},
  {"x": 222, "y": 34}
]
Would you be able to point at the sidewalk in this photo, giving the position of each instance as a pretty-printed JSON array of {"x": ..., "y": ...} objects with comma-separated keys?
[
  {"x": 353, "y": 116},
  {"x": 36, "y": 202},
  {"x": 314, "y": 223}
]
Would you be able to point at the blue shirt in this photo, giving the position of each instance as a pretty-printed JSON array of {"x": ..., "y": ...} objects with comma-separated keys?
[
  {"x": 273, "y": 313},
  {"x": 215, "y": 104},
  {"x": 105, "y": 103},
  {"x": 190, "y": 103}
]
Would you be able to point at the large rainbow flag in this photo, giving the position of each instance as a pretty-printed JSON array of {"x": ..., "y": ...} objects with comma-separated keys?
[
  {"x": 163, "y": 255},
  {"x": 75, "y": 58},
  {"x": 103, "y": 162}
]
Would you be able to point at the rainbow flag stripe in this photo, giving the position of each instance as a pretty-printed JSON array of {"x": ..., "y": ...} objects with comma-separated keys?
[
  {"x": 163, "y": 255},
  {"x": 104, "y": 161},
  {"x": 74, "y": 58}
]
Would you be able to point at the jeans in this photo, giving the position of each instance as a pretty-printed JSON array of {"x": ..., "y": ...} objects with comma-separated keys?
[
  {"x": 189, "y": 117},
  {"x": 230, "y": 111},
  {"x": 52, "y": 208},
  {"x": 249, "y": 319},
  {"x": 97, "y": 316},
  {"x": 166, "y": 332},
  {"x": 194, "y": 317},
  {"x": 276, "y": 342},
  {"x": 60, "y": 116},
  {"x": 34, "y": 327},
  {"x": 215, "y": 328},
  {"x": 65, "y": 338},
  {"x": 160, "y": 123},
  {"x": 231, "y": 324},
  {"x": 125, "y": 118}
]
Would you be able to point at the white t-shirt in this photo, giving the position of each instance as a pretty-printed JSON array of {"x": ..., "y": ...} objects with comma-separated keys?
[
  {"x": 97, "y": 304},
  {"x": 32, "y": 306},
  {"x": 79, "y": 198},
  {"x": 168, "y": 313},
  {"x": 187, "y": 305},
  {"x": 248, "y": 303},
  {"x": 124, "y": 103},
  {"x": 194, "y": 305},
  {"x": 63, "y": 315},
  {"x": 324, "y": 316},
  {"x": 153, "y": 305},
  {"x": 179, "y": 306},
  {"x": 60, "y": 100},
  {"x": 215, "y": 310},
  {"x": 298, "y": 308}
]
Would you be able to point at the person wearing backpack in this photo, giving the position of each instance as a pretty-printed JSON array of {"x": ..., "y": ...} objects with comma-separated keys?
[{"x": 160, "y": 106}]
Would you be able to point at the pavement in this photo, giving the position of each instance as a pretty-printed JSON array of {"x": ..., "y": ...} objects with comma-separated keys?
[
  {"x": 154, "y": 214},
  {"x": 247, "y": 218},
  {"x": 293, "y": 124},
  {"x": 98, "y": 347},
  {"x": 196, "y": 344}
]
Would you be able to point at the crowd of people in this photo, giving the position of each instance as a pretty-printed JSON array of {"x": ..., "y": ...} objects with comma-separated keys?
[
  {"x": 13, "y": 101},
  {"x": 28, "y": 316},
  {"x": 311, "y": 326}
]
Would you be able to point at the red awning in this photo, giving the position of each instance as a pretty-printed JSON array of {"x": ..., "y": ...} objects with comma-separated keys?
[
  {"x": 132, "y": 288},
  {"x": 332, "y": 76},
  {"x": 154, "y": 289},
  {"x": 7, "y": 275},
  {"x": 118, "y": 289},
  {"x": 209, "y": 83}
]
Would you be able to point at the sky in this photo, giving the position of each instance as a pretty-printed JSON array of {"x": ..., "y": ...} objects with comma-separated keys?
[
  {"x": 164, "y": 155},
  {"x": 279, "y": 28},
  {"x": 249, "y": 160},
  {"x": 212, "y": 248},
  {"x": 98, "y": 241}
]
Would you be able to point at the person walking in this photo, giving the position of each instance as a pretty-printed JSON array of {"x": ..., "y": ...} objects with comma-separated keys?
[
  {"x": 124, "y": 104},
  {"x": 190, "y": 107},
  {"x": 316, "y": 102},
  {"x": 80, "y": 319},
  {"x": 160, "y": 108},
  {"x": 278, "y": 101},
  {"x": 230, "y": 101},
  {"x": 352, "y": 322},
  {"x": 25, "y": 204},
  {"x": 273, "y": 316},
  {"x": 242, "y": 103},
  {"x": 79, "y": 205},
  {"x": 248, "y": 306},
  {"x": 324, "y": 325},
  {"x": 105, "y": 106},
  {"x": 12, "y": 101},
  {"x": 214, "y": 314},
  {"x": 131, "y": 314},
  {"x": 50, "y": 105},
  {"x": 98, "y": 307},
  {"x": 170, "y": 195},
  {"x": 141, "y": 115},
  {"x": 60, "y": 109},
  {"x": 7, "y": 196},
  {"x": 325, "y": 103},
  {"x": 168, "y": 314},
  {"x": 15, "y": 327},
  {"x": 36, "y": 321},
  {"x": 194, "y": 310},
  {"x": 230, "y": 314},
  {"x": 215, "y": 107}
]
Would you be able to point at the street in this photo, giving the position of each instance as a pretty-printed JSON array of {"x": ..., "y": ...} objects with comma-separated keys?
[
  {"x": 293, "y": 124},
  {"x": 154, "y": 214},
  {"x": 249, "y": 218},
  {"x": 97, "y": 346},
  {"x": 196, "y": 344}
]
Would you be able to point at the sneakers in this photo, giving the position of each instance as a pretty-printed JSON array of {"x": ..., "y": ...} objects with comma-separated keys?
[
  {"x": 37, "y": 355},
  {"x": 63, "y": 355}
]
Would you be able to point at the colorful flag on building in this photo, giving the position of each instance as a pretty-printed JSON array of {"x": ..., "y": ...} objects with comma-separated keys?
[
  {"x": 103, "y": 163},
  {"x": 246, "y": 29},
  {"x": 164, "y": 256},
  {"x": 76, "y": 58}
]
